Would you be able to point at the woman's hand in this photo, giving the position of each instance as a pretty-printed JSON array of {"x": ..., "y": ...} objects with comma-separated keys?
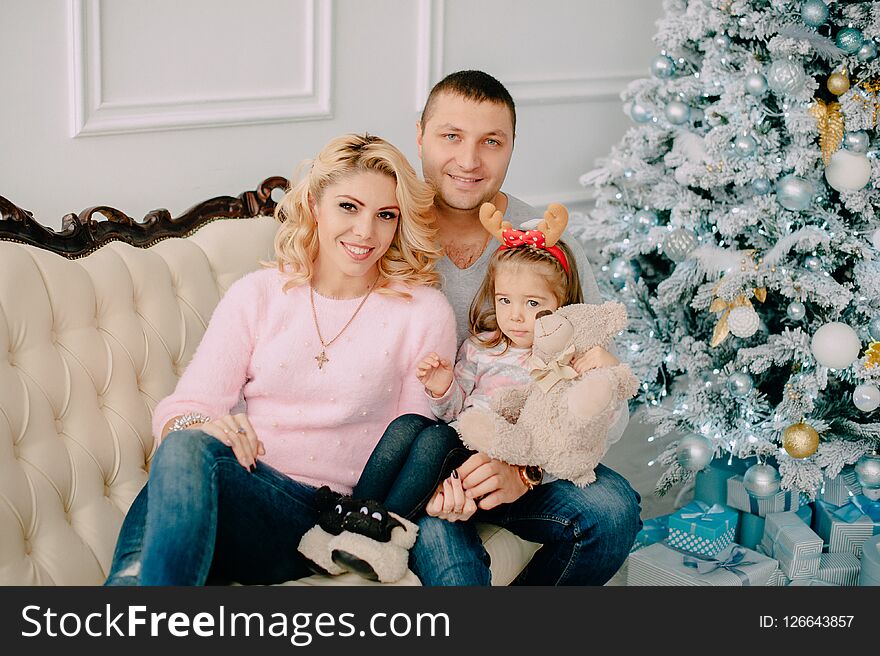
[
  {"x": 595, "y": 358},
  {"x": 450, "y": 503},
  {"x": 236, "y": 432},
  {"x": 435, "y": 374}
]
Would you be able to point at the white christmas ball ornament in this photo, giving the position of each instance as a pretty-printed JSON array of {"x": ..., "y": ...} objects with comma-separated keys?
[
  {"x": 848, "y": 171},
  {"x": 743, "y": 321},
  {"x": 875, "y": 239},
  {"x": 866, "y": 397},
  {"x": 786, "y": 76},
  {"x": 794, "y": 193},
  {"x": 835, "y": 345}
]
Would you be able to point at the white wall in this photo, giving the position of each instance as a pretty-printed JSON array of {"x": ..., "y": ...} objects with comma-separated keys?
[{"x": 165, "y": 103}]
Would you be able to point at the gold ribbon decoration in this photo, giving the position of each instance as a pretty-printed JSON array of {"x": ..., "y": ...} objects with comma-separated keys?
[
  {"x": 547, "y": 374},
  {"x": 830, "y": 123},
  {"x": 722, "y": 330},
  {"x": 871, "y": 97},
  {"x": 873, "y": 354}
]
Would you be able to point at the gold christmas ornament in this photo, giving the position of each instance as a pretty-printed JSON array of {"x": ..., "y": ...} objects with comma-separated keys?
[
  {"x": 829, "y": 120},
  {"x": 873, "y": 355},
  {"x": 838, "y": 83},
  {"x": 800, "y": 440}
]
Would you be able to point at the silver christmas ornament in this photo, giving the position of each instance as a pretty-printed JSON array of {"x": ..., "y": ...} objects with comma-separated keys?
[
  {"x": 756, "y": 84},
  {"x": 814, "y": 12},
  {"x": 868, "y": 471},
  {"x": 867, "y": 52},
  {"x": 622, "y": 270},
  {"x": 646, "y": 219},
  {"x": 662, "y": 67},
  {"x": 849, "y": 40},
  {"x": 857, "y": 141},
  {"x": 722, "y": 41},
  {"x": 679, "y": 243},
  {"x": 848, "y": 171},
  {"x": 762, "y": 480},
  {"x": 739, "y": 383},
  {"x": 639, "y": 113},
  {"x": 743, "y": 321},
  {"x": 745, "y": 145},
  {"x": 677, "y": 112},
  {"x": 874, "y": 328},
  {"x": 694, "y": 452},
  {"x": 786, "y": 76},
  {"x": 812, "y": 263},
  {"x": 762, "y": 186},
  {"x": 796, "y": 311},
  {"x": 866, "y": 397},
  {"x": 794, "y": 193}
]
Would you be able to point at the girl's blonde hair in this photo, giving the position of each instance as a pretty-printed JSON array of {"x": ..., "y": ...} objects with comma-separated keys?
[
  {"x": 565, "y": 287},
  {"x": 413, "y": 253}
]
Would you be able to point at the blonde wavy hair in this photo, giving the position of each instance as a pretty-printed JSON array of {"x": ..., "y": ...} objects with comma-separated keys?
[
  {"x": 566, "y": 288},
  {"x": 413, "y": 254}
]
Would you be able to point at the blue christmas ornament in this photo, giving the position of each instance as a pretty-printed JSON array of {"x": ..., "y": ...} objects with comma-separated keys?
[
  {"x": 622, "y": 270},
  {"x": 849, "y": 39},
  {"x": 761, "y": 186},
  {"x": 677, "y": 112},
  {"x": 813, "y": 263},
  {"x": 745, "y": 145},
  {"x": 662, "y": 67},
  {"x": 796, "y": 311},
  {"x": 639, "y": 113},
  {"x": 739, "y": 384},
  {"x": 794, "y": 193},
  {"x": 867, "y": 52},
  {"x": 756, "y": 84},
  {"x": 722, "y": 41},
  {"x": 874, "y": 328},
  {"x": 856, "y": 142},
  {"x": 814, "y": 12},
  {"x": 646, "y": 219}
]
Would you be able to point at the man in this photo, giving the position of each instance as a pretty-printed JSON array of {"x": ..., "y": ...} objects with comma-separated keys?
[{"x": 465, "y": 140}]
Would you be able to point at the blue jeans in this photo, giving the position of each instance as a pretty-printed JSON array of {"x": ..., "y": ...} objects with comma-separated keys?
[
  {"x": 413, "y": 456},
  {"x": 203, "y": 517},
  {"x": 586, "y": 532}
]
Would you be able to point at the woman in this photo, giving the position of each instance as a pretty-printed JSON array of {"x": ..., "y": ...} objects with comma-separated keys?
[{"x": 323, "y": 347}]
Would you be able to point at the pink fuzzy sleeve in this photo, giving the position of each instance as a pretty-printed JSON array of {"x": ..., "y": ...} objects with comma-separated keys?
[{"x": 216, "y": 373}]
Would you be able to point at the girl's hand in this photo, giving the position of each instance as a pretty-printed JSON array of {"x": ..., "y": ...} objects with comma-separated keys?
[
  {"x": 595, "y": 358},
  {"x": 435, "y": 374},
  {"x": 450, "y": 503},
  {"x": 236, "y": 432}
]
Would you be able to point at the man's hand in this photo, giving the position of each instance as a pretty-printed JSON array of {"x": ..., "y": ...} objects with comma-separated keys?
[
  {"x": 491, "y": 481},
  {"x": 595, "y": 358},
  {"x": 435, "y": 374},
  {"x": 450, "y": 502}
]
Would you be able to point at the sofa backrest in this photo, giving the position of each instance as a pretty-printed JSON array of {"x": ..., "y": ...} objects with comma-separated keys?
[{"x": 87, "y": 348}]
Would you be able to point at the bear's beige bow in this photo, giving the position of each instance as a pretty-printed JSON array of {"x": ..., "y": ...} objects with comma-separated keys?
[{"x": 547, "y": 374}]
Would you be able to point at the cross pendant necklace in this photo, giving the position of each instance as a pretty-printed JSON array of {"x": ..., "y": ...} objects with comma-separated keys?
[{"x": 322, "y": 358}]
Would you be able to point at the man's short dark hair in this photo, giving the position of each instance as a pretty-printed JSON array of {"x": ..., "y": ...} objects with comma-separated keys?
[{"x": 471, "y": 85}]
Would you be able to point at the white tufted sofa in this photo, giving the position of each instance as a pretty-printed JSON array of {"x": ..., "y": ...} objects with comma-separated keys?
[{"x": 88, "y": 346}]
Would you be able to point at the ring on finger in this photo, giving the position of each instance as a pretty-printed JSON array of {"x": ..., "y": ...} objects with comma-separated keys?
[{"x": 241, "y": 430}]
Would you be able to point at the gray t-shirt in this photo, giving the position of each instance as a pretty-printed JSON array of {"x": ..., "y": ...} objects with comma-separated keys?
[{"x": 461, "y": 285}]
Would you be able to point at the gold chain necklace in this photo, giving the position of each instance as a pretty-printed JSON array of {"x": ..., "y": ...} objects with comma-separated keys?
[{"x": 322, "y": 358}]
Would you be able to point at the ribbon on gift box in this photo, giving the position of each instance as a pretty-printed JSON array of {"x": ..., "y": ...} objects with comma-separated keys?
[
  {"x": 753, "y": 503},
  {"x": 860, "y": 509},
  {"x": 705, "y": 511},
  {"x": 653, "y": 530},
  {"x": 730, "y": 559}
]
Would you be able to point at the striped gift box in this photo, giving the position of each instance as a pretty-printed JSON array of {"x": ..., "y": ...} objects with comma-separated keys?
[
  {"x": 782, "y": 501},
  {"x": 793, "y": 544},
  {"x": 735, "y": 566},
  {"x": 809, "y": 582},
  {"x": 778, "y": 579},
  {"x": 838, "y": 490},
  {"x": 845, "y": 529},
  {"x": 839, "y": 569}
]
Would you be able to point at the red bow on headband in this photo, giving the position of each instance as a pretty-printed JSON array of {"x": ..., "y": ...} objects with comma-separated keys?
[
  {"x": 514, "y": 238},
  {"x": 543, "y": 237}
]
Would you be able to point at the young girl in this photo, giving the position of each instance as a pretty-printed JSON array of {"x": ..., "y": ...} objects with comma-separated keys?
[{"x": 530, "y": 273}]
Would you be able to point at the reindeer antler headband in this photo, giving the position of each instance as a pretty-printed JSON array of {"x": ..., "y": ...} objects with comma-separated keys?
[{"x": 543, "y": 237}]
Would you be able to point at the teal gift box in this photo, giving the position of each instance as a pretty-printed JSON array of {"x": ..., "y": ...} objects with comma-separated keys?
[
  {"x": 751, "y": 527},
  {"x": 846, "y": 528},
  {"x": 653, "y": 530},
  {"x": 782, "y": 501},
  {"x": 870, "y": 573},
  {"x": 838, "y": 491},
  {"x": 659, "y": 564},
  {"x": 710, "y": 485},
  {"x": 702, "y": 529},
  {"x": 793, "y": 543}
]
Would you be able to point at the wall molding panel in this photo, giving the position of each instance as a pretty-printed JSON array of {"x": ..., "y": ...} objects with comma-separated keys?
[{"x": 91, "y": 114}]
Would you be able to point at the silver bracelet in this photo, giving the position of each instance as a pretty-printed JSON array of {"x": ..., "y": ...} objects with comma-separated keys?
[{"x": 187, "y": 420}]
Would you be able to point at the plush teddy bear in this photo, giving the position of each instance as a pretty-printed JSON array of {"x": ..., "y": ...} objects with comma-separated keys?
[{"x": 560, "y": 420}]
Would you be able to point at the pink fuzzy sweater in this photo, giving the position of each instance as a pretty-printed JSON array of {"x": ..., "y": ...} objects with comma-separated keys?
[{"x": 318, "y": 426}]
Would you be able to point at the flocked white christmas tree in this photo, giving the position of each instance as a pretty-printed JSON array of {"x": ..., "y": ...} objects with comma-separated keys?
[{"x": 737, "y": 219}]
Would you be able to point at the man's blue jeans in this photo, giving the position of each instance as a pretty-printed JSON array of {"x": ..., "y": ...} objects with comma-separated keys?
[
  {"x": 586, "y": 532},
  {"x": 203, "y": 517}
]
